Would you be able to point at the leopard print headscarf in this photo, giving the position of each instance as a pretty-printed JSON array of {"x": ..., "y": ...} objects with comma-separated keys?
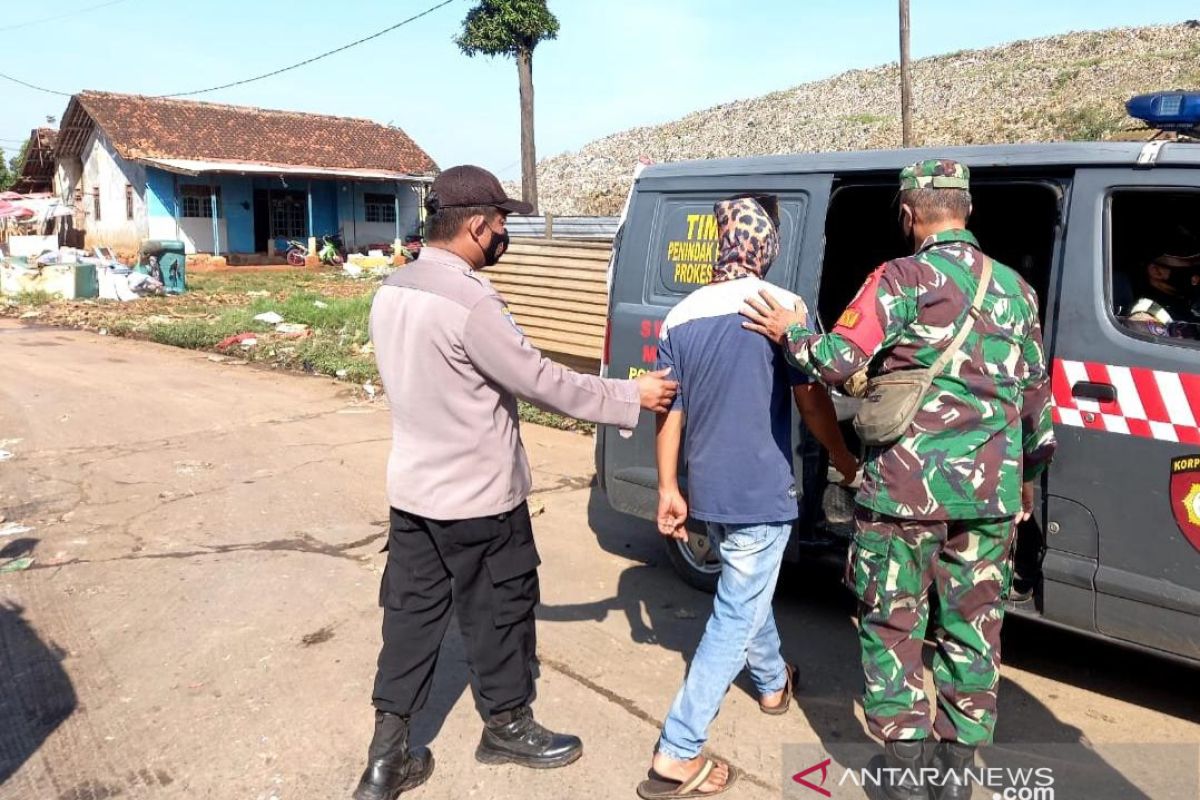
[{"x": 748, "y": 239}]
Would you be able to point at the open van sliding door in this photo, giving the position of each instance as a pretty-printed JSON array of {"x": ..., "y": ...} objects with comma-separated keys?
[
  {"x": 667, "y": 250},
  {"x": 1127, "y": 405}
]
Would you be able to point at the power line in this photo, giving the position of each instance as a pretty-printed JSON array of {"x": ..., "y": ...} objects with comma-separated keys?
[
  {"x": 60, "y": 16},
  {"x": 273, "y": 73},
  {"x": 32, "y": 86},
  {"x": 314, "y": 58}
]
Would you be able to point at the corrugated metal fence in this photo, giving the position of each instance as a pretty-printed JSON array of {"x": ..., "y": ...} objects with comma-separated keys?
[
  {"x": 552, "y": 226},
  {"x": 558, "y": 294}
]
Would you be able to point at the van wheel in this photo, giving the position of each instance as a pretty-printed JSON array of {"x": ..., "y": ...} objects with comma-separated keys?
[{"x": 695, "y": 561}]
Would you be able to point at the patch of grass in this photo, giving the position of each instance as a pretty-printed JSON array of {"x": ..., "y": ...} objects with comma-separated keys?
[
  {"x": 865, "y": 119},
  {"x": 191, "y": 334},
  {"x": 347, "y": 315},
  {"x": 242, "y": 282},
  {"x": 1087, "y": 123},
  {"x": 1088, "y": 63},
  {"x": 324, "y": 355},
  {"x": 38, "y": 298},
  {"x": 1064, "y": 77}
]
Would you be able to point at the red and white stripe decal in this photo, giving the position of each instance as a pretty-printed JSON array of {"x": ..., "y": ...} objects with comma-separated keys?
[{"x": 1150, "y": 404}]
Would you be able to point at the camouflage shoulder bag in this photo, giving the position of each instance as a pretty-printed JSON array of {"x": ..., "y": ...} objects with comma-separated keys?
[{"x": 891, "y": 401}]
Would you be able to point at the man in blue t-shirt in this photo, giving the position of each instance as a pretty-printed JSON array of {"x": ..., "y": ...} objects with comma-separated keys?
[{"x": 733, "y": 399}]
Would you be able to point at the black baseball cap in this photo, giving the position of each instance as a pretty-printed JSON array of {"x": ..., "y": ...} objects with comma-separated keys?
[{"x": 468, "y": 185}]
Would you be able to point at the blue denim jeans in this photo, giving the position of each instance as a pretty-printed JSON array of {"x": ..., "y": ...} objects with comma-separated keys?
[{"x": 741, "y": 633}]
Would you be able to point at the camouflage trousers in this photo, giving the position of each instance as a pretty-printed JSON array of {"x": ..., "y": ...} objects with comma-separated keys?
[{"x": 899, "y": 568}]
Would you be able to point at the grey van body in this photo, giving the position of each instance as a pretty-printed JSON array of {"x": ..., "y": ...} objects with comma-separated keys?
[{"x": 1116, "y": 560}]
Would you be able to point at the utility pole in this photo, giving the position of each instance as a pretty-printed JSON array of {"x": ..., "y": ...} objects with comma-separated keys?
[{"x": 905, "y": 79}]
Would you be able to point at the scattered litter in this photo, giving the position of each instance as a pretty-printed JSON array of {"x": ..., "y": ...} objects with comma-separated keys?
[
  {"x": 217, "y": 359},
  {"x": 13, "y": 529},
  {"x": 367, "y": 349},
  {"x": 191, "y": 467},
  {"x": 269, "y": 317},
  {"x": 36, "y": 314},
  {"x": 684, "y": 613},
  {"x": 10, "y": 442},
  {"x": 369, "y": 388},
  {"x": 238, "y": 338},
  {"x": 291, "y": 328},
  {"x": 17, "y": 565},
  {"x": 258, "y": 293},
  {"x": 536, "y": 507},
  {"x": 341, "y": 373},
  {"x": 5, "y": 455},
  {"x": 103, "y": 331},
  {"x": 320, "y": 304},
  {"x": 64, "y": 418},
  {"x": 353, "y": 270}
]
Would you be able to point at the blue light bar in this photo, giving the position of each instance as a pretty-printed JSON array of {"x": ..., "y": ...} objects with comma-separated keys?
[{"x": 1168, "y": 111}]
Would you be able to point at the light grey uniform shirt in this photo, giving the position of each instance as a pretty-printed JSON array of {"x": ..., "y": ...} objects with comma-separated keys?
[{"x": 453, "y": 363}]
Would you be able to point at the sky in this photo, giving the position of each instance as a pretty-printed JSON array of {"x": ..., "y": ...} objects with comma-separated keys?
[{"x": 616, "y": 64}]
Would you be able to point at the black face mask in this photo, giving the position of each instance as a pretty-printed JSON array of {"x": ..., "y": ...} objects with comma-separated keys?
[{"x": 495, "y": 248}]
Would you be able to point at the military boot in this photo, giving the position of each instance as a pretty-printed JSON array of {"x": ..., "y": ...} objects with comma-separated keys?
[
  {"x": 901, "y": 778},
  {"x": 513, "y": 737},
  {"x": 953, "y": 760},
  {"x": 391, "y": 767}
]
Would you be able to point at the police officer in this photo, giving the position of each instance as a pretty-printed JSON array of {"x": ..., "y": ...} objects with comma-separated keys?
[
  {"x": 1170, "y": 302},
  {"x": 938, "y": 508},
  {"x": 453, "y": 362}
]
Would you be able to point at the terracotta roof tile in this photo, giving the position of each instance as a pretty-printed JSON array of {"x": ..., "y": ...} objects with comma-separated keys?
[{"x": 149, "y": 127}]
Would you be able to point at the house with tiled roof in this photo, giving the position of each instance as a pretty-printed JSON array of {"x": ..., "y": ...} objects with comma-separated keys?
[{"x": 233, "y": 179}]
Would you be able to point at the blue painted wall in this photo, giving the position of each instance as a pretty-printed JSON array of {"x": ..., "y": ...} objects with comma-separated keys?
[
  {"x": 325, "y": 207},
  {"x": 160, "y": 193},
  {"x": 333, "y": 209}
]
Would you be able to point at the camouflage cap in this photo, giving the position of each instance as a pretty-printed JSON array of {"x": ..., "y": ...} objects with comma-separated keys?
[{"x": 935, "y": 173}]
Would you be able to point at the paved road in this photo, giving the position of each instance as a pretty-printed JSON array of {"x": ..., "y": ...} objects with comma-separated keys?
[{"x": 200, "y": 620}]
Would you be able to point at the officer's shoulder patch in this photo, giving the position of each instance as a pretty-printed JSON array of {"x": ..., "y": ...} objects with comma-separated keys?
[{"x": 511, "y": 320}]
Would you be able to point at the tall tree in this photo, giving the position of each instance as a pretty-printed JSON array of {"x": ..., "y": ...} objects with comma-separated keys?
[{"x": 513, "y": 28}]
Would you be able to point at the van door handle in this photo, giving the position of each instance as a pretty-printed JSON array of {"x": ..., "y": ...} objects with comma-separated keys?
[{"x": 1101, "y": 392}]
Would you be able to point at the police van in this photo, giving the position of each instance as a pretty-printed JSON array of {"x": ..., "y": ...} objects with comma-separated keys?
[{"x": 1114, "y": 548}]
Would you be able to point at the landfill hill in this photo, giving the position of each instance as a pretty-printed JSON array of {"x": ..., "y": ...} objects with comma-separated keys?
[{"x": 1068, "y": 87}]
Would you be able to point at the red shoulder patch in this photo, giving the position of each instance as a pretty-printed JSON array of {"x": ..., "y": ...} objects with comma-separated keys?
[{"x": 859, "y": 323}]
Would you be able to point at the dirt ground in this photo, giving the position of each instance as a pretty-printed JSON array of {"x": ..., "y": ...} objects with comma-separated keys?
[{"x": 200, "y": 617}]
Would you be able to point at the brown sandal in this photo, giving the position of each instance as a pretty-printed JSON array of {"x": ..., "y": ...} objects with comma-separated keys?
[
  {"x": 658, "y": 787},
  {"x": 789, "y": 689}
]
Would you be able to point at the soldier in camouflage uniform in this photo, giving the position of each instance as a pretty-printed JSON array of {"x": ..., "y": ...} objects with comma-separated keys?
[{"x": 939, "y": 507}]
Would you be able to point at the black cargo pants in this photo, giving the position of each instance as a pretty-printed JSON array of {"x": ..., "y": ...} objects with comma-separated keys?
[{"x": 486, "y": 570}]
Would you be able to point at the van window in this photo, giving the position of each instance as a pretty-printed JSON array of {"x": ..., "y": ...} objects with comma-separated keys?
[
  {"x": 1154, "y": 263},
  {"x": 685, "y": 243},
  {"x": 1016, "y": 222}
]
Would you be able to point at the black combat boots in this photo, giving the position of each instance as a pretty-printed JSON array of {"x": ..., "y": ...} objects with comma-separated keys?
[
  {"x": 901, "y": 778},
  {"x": 391, "y": 767},
  {"x": 513, "y": 737},
  {"x": 953, "y": 760}
]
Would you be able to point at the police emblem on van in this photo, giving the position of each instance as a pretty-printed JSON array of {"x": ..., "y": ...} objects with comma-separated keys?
[{"x": 1185, "y": 496}]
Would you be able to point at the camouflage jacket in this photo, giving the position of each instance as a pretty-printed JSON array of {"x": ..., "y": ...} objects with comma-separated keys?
[{"x": 985, "y": 425}]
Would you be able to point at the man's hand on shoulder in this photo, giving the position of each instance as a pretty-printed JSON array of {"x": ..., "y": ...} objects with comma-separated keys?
[
  {"x": 769, "y": 317},
  {"x": 655, "y": 392}
]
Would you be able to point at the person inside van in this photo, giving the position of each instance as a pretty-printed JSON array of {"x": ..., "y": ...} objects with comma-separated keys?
[
  {"x": 733, "y": 401},
  {"x": 1170, "y": 300}
]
